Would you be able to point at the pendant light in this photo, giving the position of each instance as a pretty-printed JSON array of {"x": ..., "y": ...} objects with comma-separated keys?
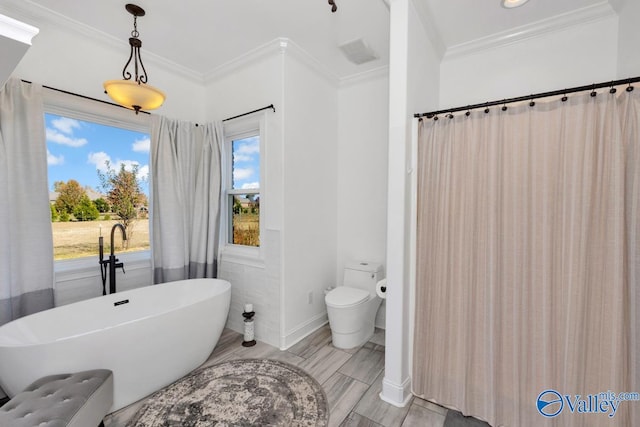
[
  {"x": 133, "y": 91},
  {"x": 510, "y": 4}
]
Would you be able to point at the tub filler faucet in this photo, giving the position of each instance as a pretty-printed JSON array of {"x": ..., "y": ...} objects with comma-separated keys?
[{"x": 112, "y": 262}]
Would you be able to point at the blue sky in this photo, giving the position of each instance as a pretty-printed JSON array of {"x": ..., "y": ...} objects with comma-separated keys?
[
  {"x": 246, "y": 163},
  {"x": 77, "y": 149}
]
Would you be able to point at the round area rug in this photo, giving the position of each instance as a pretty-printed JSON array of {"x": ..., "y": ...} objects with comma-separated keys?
[{"x": 247, "y": 392}]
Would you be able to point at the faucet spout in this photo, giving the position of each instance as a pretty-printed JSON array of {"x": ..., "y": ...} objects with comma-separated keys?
[
  {"x": 113, "y": 261},
  {"x": 113, "y": 229}
]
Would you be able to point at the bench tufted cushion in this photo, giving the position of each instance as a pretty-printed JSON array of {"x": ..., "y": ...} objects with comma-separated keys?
[{"x": 77, "y": 400}]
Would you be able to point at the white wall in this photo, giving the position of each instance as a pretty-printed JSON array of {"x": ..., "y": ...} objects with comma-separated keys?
[
  {"x": 573, "y": 56},
  {"x": 363, "y": 133},
  {"x": 299, "y": 199},
  {"x": 628, "y": 39},
  {"x": 310, "y": 201},
  {"x": 249, "y": 84}
]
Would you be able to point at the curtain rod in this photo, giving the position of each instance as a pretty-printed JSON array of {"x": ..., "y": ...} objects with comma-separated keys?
[
  {"x": 142, "y": 111},
  {"x": 85, "y": 97},
  {"x": 251, "y": 112},
  {"x": 534, "y": 96}
]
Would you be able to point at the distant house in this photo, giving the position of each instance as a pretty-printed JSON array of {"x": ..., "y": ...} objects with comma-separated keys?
[{"x": 248, "y": 204}]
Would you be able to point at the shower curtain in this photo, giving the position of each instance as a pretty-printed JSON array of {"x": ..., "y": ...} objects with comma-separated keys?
[
  {"x": 26, "y": 245},
  {"x": 528, "y": 261},
  {"x": 185, "y": 187}
]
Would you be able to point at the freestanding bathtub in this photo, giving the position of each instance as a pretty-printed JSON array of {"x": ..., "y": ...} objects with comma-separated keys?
[{"x": 149, "y": 337}]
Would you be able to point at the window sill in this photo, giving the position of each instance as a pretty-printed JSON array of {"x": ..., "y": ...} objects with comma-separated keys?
[{"x": 242, "y": 255}]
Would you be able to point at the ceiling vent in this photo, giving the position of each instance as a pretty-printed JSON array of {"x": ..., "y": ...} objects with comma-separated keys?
[{"x": 358, "y": 52}]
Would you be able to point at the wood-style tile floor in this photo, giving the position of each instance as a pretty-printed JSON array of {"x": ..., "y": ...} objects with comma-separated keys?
[{"x": 352, "y": 380}]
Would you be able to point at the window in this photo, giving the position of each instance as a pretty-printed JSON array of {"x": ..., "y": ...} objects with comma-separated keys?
[
  {"x": 243, "y": 189},
  {"x": 89, "y": 166}
]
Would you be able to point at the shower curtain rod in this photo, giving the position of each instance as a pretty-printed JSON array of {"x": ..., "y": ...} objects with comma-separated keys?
[
  {"x": 251, "y": 112},
  {"x": 592, "y": 87}
]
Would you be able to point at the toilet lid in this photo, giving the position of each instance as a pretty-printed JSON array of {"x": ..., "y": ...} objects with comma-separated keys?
[{"x": 344, "y": 296}]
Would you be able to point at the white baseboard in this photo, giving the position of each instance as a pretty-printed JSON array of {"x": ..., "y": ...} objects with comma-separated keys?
[
  {"x": 303, "y": 330},
  {"x": 396, "y": 394}
]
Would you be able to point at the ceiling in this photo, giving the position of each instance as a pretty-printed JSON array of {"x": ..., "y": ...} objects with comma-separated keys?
[{"x": 204, "y": 35}]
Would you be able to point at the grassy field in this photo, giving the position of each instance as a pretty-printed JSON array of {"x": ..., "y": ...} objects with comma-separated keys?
[
  {"x": 246, "y": 229},
  {"x": 80, "y": 239}
]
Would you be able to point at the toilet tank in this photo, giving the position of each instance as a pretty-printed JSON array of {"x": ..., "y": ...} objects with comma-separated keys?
[{"x": 362, "y": 275}]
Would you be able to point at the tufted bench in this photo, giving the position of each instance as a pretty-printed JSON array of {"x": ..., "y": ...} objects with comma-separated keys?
[{"x": 79, "y": 400}]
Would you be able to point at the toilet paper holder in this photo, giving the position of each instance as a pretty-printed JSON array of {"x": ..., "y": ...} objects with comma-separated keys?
[{"x": 381, "y": 288}]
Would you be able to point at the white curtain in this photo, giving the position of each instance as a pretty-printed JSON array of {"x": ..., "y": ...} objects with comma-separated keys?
[
  {"x": 26, "y": 245},
  {"x": 528, "y": 260},
  {"x": 185, "y": 201}
]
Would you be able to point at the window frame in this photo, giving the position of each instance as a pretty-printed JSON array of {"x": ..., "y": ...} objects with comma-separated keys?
[
  {"x": 75, "y": 107},
  {"x": 238, "y": 129}
]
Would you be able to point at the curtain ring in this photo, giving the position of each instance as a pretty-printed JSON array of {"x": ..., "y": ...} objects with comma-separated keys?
[
  {"x": 435, "y": 118},
  {"x": 532, "y": 103},
  {"x": 564, "y": 97},
  {"x": 468, "y": 113},
  {"x": 629, "y": 88},
  {"x": 486, "y": 110},
  {"x": 593, "y": 91},
  {"x": 504, "y": 105},
  {"x": 450, "y": 116},
  {"x": 613, "y": 89}
]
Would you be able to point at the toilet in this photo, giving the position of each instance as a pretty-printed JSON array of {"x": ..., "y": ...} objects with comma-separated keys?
[{"x": 352, "y": 307}]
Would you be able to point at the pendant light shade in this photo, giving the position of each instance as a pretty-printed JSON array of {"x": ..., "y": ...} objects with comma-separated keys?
[
  {"x": 133, "y": 91},
  {"x": 137, "y": 96},
  {"x": 510, "y": 4}
]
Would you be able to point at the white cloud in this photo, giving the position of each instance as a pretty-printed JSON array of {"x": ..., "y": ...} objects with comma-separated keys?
[
  {"x": 99, "y": 159},
  {"x": 59, "y": 138},
  {"x": 54, "y": 160},
  {"x": 245, "y": 152},
  {"x": 251, "y": 147},
  {"x": 250, "y": 185},
  {"x": 141, "y": 145},
  {"x": 143, "y": 173},
  {"x": 241, "y": 158},
  {"x": 65, "y": 125},
  {"x": 242, "y": 173}
]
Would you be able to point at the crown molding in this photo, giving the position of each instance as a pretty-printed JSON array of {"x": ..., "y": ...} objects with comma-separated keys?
[
  {"x": 249, "y": 58},
  {"x": 278, "y": 46},
  {"x": 593, "y": 13},
  {"x": 41, "y": 16},
  {"x": 311, "y": 62}
]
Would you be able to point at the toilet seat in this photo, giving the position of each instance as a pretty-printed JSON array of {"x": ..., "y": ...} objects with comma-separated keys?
[{"x": 344, "y": 296}]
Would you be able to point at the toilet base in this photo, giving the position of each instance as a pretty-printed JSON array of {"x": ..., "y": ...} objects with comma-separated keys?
[{"x": 352, "y": 339}]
